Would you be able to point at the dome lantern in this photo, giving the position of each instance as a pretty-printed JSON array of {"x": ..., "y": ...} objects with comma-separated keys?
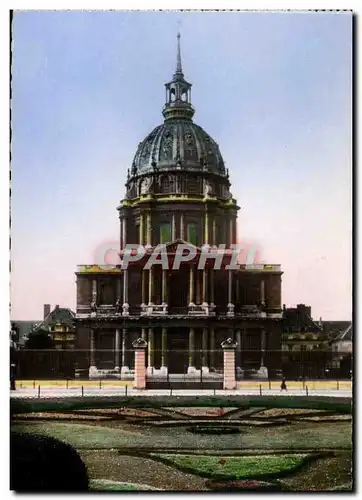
[
  {"x": 178, "y": 93},
  {"x": 178, "y": 143}
]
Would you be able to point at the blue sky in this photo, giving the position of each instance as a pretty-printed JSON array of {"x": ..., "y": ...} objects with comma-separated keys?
[{"x": 273, "y": 89}]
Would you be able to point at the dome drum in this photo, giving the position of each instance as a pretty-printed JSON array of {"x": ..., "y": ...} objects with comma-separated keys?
[{"x": 178, "y": 183}]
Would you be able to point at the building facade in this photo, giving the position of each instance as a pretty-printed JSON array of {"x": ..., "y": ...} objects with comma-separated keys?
[
  {"x": 58, "y": 325},
  {"x": 177, "y": 196}
]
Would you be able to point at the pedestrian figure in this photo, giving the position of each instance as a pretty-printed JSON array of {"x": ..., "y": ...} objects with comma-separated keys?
[
  {"x": 283, "y": 386},
  {"x": 12, "y": 377}
]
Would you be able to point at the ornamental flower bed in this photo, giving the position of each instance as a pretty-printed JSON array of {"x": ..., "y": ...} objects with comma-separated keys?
[
  {"x": 242, "y": 485},
  {"x": 204, "y": 412}
]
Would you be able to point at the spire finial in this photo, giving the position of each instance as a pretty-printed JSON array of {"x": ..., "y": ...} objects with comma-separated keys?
[{"x": 178, "y": 65}]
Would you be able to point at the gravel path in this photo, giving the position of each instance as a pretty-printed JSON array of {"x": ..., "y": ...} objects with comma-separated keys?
[
  {"x": 323, "y": 474},
  {"x": 112, "y": 466}
]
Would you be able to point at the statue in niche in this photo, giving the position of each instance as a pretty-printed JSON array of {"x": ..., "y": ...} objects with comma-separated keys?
[
  {"x": 207, "y": 189},
  {"x": 227, "y": 193},
  {"x": 145, "y": 185},
  {"x": 129, "y": 194}
]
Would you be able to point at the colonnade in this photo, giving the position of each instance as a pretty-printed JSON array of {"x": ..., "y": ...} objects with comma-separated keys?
[
  {"x": 207, "y": 342},
  {"x": 201, "y": 289},
  {"x": 209, "y": 235}
]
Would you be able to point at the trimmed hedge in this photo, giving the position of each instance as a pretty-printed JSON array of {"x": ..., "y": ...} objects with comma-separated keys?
[
  {"x": 26, "y": 405},
  {"x": 45, "y": 464}
]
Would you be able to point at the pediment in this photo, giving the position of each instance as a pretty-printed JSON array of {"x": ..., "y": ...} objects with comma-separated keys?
[{"x": 172, "y": 246}]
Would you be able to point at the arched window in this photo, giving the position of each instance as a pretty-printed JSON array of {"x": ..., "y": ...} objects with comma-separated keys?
[
  {"x": 168, "y": 184},
  {"x": 192, "y": 235},
  {"x": 165, "y": 232},
  {"x": 165, "y": 184}
]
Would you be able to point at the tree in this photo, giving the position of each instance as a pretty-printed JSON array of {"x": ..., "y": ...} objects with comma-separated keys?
[
  {"x": 13, "y": 359},
  {"x": 39, "y": 339}
]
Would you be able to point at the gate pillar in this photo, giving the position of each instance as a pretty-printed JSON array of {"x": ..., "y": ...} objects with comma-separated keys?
[
  {"x": 139, "y": 381},
  {"x": 228, "y": 347}
]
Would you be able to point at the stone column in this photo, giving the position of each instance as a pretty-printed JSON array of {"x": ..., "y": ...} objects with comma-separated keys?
[
  {"x": 182, "y": 227},
  {"x": 144, "y": 334},
  {"x": 206, "y": 236},
  {"x": 141, "y": 235},
  {"x": 94, "y": 292},
  {"x": 214, "y": 231},
  {"x": 230, "y": 303},
  {"x": 144, "y": 290},
  {"x": 228, "y": 347},
  {"x": 151, "y": 354},
  {"x": 124, "y": 232},
  {"x": 125, "y": 368},
  {"x": 262, "y": 292},
  {"x": 212, "y": 348},
  {"x": 173, "y": 227},
  {"x": 139, "y": 381},
  {"x": 204, "y": 288},
  {"x": 118, "y": 292},
  {"x": 116, "y": 349},
  {"x": 231, "y": 231},
  {"x": 191, "y": 286},
  {"x": 164, "y": 286},
  {"x": 191, "y": 367},
  {"x": 150, "y": 286},
  {"x": 149, "y": 229},
  {"x": 238, "y": 352},
  {"x": 198, "y": 286},
  {"x": 92, "y": 361},
  {"x": 204, "y": 366},
  {"x": 263, "y": 371},
  {"x": 164, "y": 352},
  {"x": 212, "y": 288},
  {"x": 125, "y": 306},
  {"x": 238, "y": 347}
]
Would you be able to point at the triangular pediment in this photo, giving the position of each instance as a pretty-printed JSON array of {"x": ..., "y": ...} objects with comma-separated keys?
[{"x": 172, "y": 246}]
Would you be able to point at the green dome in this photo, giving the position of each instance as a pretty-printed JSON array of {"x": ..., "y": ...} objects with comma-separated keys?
[{"x": 178, "y": 144}]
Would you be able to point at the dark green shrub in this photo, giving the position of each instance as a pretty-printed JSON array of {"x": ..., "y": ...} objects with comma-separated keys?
[{"x": 44, "y": 464}]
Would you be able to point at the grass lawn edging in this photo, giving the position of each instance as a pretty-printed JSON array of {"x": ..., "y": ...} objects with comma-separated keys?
[
  {"x": 302, "y": 462},
  {"x": 107, "y": 485}
]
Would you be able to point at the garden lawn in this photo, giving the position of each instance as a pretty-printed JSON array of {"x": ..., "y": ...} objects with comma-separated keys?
[
  {"x": 235, "y": 467},
  {"x": 301, "y": 436}
]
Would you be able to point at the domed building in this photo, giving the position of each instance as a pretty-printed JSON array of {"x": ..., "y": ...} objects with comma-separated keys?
[{"x": 178, "y": 197}]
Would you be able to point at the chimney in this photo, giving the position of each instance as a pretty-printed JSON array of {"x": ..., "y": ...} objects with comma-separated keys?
[{"x": 46, "y": 310}]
